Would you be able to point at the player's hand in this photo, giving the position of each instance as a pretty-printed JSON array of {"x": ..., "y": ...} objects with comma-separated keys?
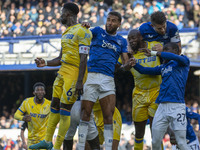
[
  {"x": 158, "y": 47},
  {"x": 173, "y": 140},
  {"x": 27, "y": 118},
  {"x": 85, "y": 24},
  {"x": 79, "y": 88},
  {"x": 132, "y": 62},
  {"x": 24, "y": 146},
  {"x": 40, "y": 62},
  {"x": 146, "y": 51}
]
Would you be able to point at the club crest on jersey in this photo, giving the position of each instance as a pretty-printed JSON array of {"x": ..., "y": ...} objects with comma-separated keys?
[
  {"x": 165, "y": 36},
  {"x": 109, "y": 45}
]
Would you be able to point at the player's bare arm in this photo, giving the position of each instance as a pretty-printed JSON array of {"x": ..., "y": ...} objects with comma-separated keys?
[
  {"x": 40, "y": 62},
  {"x": 24, "y": 145},
  {"x": 125, "y": 61},
  {"x": 82, "y": 68}
]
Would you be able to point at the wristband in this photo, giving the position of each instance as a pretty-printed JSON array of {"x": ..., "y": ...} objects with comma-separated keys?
[
  {"x": 153, "y": 53},
  {"x": 45, "y": 63}
]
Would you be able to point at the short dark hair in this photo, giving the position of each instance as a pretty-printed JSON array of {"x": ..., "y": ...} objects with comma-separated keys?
[
  {"x": 38, "y": 84},
  {"x": 173, "y": 46},
  {"x": 114, "y": 13},
  {"x": 158, "y": 17},
  {"x": 71, "y": 7}
]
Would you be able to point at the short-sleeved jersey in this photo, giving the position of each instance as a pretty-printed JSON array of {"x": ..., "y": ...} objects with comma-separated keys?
[
  {"x": 72, "y": 39},
  {"x": 104, "y": 51},
  {"x": 144, "y": 81},
  {"x": 149, "y": 34},
  {"x": 39, "y": 117}
]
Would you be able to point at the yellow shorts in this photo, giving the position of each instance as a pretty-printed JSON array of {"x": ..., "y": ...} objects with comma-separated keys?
[
  {"x": 117, "y": 124},
  {"x": 143, "y": 103},
  {"x": 65, "y": 84}
]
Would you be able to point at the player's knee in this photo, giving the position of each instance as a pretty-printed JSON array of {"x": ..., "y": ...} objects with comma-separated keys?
[
  {"x": 85, "y": 114},
  {"x": 55, "y": 103},
  {"x": 108, "y": 119}
]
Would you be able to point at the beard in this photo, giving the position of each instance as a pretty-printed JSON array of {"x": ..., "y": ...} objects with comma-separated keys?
[
  {"x": 113, "y": 30},
  {"x": 63, "y": 21}
]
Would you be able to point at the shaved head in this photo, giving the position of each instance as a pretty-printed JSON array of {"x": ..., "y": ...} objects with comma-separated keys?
[{"x": 134, "y": 39}]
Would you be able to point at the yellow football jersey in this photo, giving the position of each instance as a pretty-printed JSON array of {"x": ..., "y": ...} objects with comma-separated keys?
[
  {"x": 39, "y": 117},
  {"x": 74, "y": 37},
  {"x": 142, "y": 81}
]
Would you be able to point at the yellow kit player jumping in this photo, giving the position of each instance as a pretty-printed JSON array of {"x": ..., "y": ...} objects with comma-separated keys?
[
  {"x": 68, "y": 84},
  {"x": 117, "y": 124},
  {"x": 37, "y": 111},
  {"x": 146, "y": 87}
]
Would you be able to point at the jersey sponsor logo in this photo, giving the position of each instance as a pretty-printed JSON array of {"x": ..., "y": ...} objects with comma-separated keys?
[
  {"x": 87, "y": 36},
  {"x": 166, "y": 70},
  {"x": 144, "y": 60},
  {"x": 38, "y": 115},
  {"x": 109, "y": 45},
  {"x": 68, "y": 36},
  {"x": 165, "y": 36}
]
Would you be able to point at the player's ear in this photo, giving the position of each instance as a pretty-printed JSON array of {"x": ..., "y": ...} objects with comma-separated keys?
[{"x": 33, "y": 93}]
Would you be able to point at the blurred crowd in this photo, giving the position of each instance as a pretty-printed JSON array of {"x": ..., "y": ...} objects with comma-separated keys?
[{"x": 39, "y": 17}]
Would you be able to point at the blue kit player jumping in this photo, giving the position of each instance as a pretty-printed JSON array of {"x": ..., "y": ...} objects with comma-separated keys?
[
  {"x": 171, "y": 108},
  {"x": 105, "y": 49},
  {"x": 192, "y": 139},
  {"x": 160, "y": 30}
]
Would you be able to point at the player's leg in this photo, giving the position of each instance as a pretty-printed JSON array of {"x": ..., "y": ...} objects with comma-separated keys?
[
  {"x": 159, "y": 127},
  {"x": 107, "y": 101},
  {"x": 179, "y": 123},
  {"x": 98, "y": 117},
  {"x": 181, "y": 139},
  {"x": 108, "y": 106},
  {"x": 88, "y": 99},
  {"x": 92, "y": 136},
  {"x": 139, "y": 115},
  {"x": 67, "y": 100},
  {"x": 86, "y": 110},
  {"x": 117, "y": 125},
  {"x": 75, "y": 118}
]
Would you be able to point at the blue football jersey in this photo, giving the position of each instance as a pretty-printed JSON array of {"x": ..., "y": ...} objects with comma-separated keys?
[
  {"x": 190, "y": 135},
  {"x": 174, "y": 77},
  {"x": 149, "y": 34},
  {"x": 105, "y": 51}
]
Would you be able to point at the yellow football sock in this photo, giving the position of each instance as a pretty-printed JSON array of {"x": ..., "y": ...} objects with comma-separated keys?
[
  {"x": 63, "y": 127},
  {"x": 53, "y": 120},
  {"x": 138, "y": 144}
]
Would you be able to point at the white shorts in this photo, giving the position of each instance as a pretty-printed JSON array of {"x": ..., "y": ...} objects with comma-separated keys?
[
  {"x": 170, "y": 113},
  {"x": 191, "y": 146},
  {"x": 194, "y": 145},
  {"x": 97, "y": 86},
  {"x": 74, "y": 122}
]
